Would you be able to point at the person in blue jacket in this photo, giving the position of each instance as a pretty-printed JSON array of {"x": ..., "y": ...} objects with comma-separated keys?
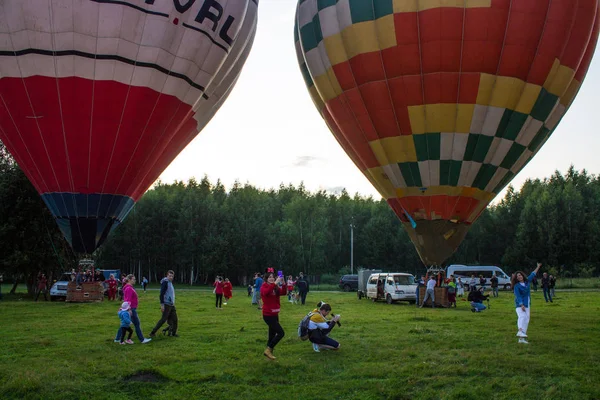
[{"x": 521, "y": 287}]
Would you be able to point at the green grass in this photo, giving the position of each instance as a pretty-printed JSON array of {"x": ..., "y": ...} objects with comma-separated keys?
[{"x": 61, "y": 350}]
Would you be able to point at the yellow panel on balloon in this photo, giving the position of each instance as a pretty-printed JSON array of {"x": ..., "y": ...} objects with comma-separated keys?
[
  {"x": 397, "y": 149},
  {"x": 328, "y": 86},
  {"x": 360, "y": 38},
  {"x": 401, "y": 6}
]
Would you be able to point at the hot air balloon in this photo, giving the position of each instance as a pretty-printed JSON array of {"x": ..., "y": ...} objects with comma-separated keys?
[
  {"x": 97, "y": 97},
  {"x": 440, "y": 103}
]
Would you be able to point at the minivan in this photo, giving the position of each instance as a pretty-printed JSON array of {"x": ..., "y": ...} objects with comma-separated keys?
[
  {"x": 464, "y": 273},
  {"x": 396, "y": 286}
]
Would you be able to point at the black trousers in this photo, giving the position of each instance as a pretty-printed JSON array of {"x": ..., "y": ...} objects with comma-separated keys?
[
  {"x": 303, "y": 296},
  {"x": 38, "y": 294},
  {"x": 276, "y": 332},
  {"x": 125, "y": 329},
  {"x": 169, "y": 316},
  {"x": 219, "y": 300}
]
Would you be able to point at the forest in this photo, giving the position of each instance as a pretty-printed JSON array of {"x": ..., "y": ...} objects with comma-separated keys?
[{"x": 199, "y": 229}]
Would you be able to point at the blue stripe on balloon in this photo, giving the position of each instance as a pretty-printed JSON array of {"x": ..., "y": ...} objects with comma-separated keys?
[{"x": 86, "y": 219}]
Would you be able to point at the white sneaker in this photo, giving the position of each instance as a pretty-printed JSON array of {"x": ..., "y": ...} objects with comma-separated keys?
[
  {"x": 316, "y": 347},
  {"x": 147, "y": 340},
  {"x": 521, "y": 334},
  {"x": 117, "y": 341},
  {"x": 522, "y": 340}
]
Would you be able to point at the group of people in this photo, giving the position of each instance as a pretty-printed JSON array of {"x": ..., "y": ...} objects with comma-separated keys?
[
  {"x": 128, "y": 311},
  {"x": 223, "y": 288},
  {"x": 297, "y": 289},
  {"x": 271, "y": 290}
]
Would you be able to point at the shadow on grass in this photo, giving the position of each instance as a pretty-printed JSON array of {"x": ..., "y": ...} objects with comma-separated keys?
[
  {"x": 148, "y": 376},
  {"x": 419, "y": 319},
  {"x": 421, "y": 331}
]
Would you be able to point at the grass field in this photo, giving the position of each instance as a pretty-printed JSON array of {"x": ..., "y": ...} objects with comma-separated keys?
[{"x": 66, "y": 351}]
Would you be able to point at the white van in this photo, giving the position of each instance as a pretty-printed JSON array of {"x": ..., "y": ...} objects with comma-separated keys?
[
  {"x": 464, "y": 273},
  {"x": 395, "y": 286}
]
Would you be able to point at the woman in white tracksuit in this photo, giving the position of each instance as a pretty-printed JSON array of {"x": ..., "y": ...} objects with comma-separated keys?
[{"x": 522, "y": 292}]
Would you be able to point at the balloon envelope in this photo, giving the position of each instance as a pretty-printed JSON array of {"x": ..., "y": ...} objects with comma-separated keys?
[
  {"x": 441, "y": 103},
  {"x": 97, "y": 97}
]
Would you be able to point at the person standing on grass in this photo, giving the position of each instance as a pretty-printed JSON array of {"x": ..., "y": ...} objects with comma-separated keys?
[
  {"x": 303, "y": 288},
  {"x": 521, "y": 285},
  {"x": 144, "y": 284},
  {"x": 552, "y": 284},
  {"x": 420, "y": 284},
  {"x": 460, "y": 288},
  {"x": 494, "y": 284},
  {"x": 42, "y": 286},
  {"x": 125, "y": 327},
  {"x": 112, "y": 287},
  {"x": 473, "y": 283},
  {"x": 546, "y": 287},
  {"x": 218, "y": 284},
  {"x": 167, "y": 306},
  {"x": 290, "y": 288},
  {"x": 430, "y": 292},
  {"x": 258, "y": 281},
  {"x": 130, "y": 297},
  {"x": 270, "y": 292},
  {"x": 451, "y": 292},
  {"x": 227, "y": 290}
]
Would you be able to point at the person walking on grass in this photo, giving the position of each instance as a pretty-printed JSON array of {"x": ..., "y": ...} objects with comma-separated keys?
[
  {"x": 218, "y": 284},
  {"x": 258, "y": 281},
  {"x": 227, "y": 290},
  {"x": 270, "y": 292},
  {"x": 303, "y": 288},
  {"x": 167, "y": 306},
  {"x": 125, "y": 317},
  {"x": 522, "y": 291},
  {"x": 144, "y": 284},
  {"x": 546, "y": 287},
  {"x": 430, "y": 293},
  {"x": 552, "y": 284},
  {"x": 130, "y": 297}
]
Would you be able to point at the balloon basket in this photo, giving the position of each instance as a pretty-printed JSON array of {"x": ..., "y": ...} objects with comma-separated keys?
[
  {"x": 87, "y": 292},
  {"x": 441, "y": 297}
]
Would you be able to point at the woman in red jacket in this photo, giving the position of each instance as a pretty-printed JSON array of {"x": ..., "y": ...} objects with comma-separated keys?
[
  {"x": 227, "y": 287},
  {"x": 270, "y": 292}
]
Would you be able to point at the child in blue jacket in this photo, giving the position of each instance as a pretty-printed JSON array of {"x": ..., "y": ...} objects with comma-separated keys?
[
  {"x": 521, "y": 287},
  {"x": 125, "y": 317}
]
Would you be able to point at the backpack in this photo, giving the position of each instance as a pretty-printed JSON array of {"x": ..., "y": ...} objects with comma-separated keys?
[
  {"x": 303, "y": 326},
  {"x": 451, "y": 290}
]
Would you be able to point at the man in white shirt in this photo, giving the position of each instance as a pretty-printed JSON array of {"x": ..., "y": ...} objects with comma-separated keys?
[{"x": 429, "y": 294}]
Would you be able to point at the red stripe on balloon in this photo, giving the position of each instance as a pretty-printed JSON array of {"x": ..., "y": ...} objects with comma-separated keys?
[{"x": 76, "y": 135}]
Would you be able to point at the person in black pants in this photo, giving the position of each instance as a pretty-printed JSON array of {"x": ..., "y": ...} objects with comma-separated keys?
[
  {"x": 303, "y": 288},
  {"x": 167, "y": 306}
]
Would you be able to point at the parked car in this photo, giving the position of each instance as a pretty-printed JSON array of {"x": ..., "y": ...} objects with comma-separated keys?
[
  {"x": 348, "y": 282},
  {"x": 58, "y": 291},
  {"x": 393, "y": 286}
]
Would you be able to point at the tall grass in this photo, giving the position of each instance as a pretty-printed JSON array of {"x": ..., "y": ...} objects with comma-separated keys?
[{"x": 56, "y": 350}]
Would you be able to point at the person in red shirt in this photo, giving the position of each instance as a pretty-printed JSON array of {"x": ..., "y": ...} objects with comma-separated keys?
[
  {"x": 42, "y": 287},
  {"x": 218, "y": 292},
  {"x": 270, "y": 291},
  {"x": 112, "y": 287},
  {"x": 227, "y": 290}
]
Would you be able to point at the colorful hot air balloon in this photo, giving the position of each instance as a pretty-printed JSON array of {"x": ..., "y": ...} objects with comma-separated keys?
[
  {"x": 440, "y": 103},
  {"x": 97, "y": 97}
]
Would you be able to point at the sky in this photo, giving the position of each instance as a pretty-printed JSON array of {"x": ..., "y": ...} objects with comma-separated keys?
[{"x": 269, "y": 132}]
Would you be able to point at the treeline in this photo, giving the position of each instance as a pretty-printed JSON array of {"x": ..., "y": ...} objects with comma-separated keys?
[{"x": 199, "y": 229}]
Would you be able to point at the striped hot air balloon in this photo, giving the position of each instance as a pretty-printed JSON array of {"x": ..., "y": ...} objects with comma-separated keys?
[
  {"x": 97, "y": 97},
  {"x": 440, "y": 103}
]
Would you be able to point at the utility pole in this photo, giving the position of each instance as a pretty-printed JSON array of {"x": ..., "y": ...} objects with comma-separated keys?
[{"x": 352, "y": 248}]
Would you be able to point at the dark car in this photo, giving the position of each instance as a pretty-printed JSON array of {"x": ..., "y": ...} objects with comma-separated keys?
[{"x": 349, "y": 282}]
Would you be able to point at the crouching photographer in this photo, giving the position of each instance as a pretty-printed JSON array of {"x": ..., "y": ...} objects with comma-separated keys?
[
  {"x": 476, "y": 298},
  {"x": 319, "y": 328}
]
